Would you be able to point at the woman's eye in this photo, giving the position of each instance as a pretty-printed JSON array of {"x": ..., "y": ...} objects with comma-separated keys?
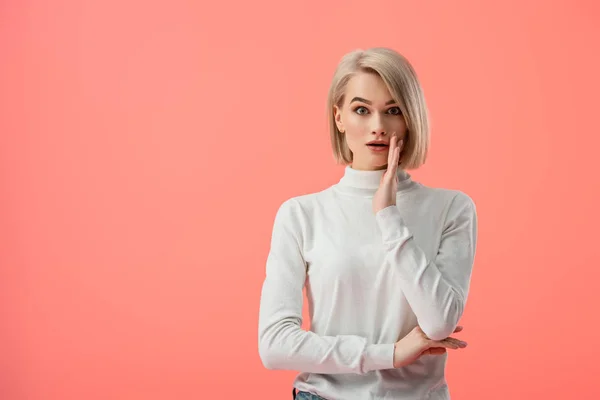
[
  {"x": 395, "y": 111},
  {"x": 358, "y": 110}
]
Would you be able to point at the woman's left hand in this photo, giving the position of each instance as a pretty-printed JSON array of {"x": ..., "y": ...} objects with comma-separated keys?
[{"x": 385, "y": 195}]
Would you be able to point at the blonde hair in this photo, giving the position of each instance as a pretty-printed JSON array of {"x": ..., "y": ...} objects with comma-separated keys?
[{"x": 402, "y": 82}]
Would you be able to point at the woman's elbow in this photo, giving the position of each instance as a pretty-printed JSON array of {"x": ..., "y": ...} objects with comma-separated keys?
[
  {"x": 270, "y": 356},
  {"x": 438, "y": 332},
  {"x": 274, "y": 346},
  {"x": 446, "y": 324},
  {"x": 440, "y": 329}
]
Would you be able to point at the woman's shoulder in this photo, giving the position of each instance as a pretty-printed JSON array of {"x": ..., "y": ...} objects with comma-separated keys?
[
  {"x": 301, "y": 204},
  {"x": 308, "y": 200},
  {"x": 445, "y": 195}
]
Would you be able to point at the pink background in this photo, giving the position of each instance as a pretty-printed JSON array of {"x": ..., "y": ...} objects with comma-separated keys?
[{"x": 145, "y": 147}]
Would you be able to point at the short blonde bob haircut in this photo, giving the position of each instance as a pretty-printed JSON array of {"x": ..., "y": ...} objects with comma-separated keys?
[{"x": 403, "y": 84}]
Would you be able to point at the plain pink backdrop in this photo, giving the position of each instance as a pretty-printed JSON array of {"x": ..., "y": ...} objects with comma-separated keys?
[{"x": 145, "y": 147}]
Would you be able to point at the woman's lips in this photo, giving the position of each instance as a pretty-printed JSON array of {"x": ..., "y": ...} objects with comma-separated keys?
[{"x": 377, "y": 148}]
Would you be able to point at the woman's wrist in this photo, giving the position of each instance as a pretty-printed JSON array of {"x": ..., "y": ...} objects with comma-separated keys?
[
  {"x": 401, "y": 354},
  {"x": 396, "y": 362}
]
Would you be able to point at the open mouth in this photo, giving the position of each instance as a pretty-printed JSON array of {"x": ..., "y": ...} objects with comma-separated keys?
[{"x": 378, "y": 147}]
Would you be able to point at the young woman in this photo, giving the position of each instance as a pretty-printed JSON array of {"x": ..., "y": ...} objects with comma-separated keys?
[{"x": 385, "y": 260}]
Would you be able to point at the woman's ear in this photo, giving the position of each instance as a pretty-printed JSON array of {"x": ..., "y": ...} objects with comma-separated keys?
[{"x": 338, "y": 118}]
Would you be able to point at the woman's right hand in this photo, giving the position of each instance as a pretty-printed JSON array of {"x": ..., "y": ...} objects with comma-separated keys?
[{"x": 416, "y": 343}]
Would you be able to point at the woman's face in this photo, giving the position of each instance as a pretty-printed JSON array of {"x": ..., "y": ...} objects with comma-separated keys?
[{"x": 369, "y": 113}]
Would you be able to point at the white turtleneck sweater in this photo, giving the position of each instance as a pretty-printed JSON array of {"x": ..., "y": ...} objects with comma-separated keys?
[{"x": 369, "y": 280}]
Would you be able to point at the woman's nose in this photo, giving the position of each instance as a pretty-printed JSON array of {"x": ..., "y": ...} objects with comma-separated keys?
[{"x": 377, "y": 127}]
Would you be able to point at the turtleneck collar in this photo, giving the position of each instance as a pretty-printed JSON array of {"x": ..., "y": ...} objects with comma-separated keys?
[{"x": 365, "y": 183}]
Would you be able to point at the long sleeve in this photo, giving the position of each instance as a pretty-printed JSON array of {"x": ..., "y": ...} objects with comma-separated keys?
[
  {"x": 435, "y": 289},
  {"x": 283, "y": 344}
]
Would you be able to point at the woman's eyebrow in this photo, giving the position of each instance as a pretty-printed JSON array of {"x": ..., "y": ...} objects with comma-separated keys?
[{"x": 369, "y": 102}]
